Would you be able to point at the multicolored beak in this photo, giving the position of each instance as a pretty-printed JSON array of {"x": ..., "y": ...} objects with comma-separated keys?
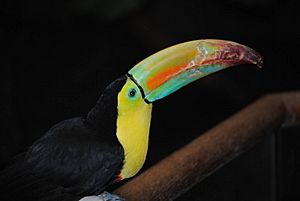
[{"x": 171, "y": 69}]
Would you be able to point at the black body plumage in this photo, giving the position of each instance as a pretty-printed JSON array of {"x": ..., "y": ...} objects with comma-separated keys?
[{"x": 75, "y": 158}]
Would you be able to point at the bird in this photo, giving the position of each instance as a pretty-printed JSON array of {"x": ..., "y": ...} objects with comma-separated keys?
[{"x": 80, "y": 157}]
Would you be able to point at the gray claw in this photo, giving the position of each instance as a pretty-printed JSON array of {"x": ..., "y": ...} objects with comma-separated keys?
[{"x": 105, "y": 196}]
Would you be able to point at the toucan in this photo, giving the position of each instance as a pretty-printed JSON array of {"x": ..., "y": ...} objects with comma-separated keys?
[{"x": 82, "y": 156}]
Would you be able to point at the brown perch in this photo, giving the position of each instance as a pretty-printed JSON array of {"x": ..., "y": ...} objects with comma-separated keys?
[{"x": 187, "y": 166}]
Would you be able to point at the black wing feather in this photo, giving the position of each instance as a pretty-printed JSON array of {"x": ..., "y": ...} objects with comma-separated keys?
[{"x": 70, "y": 161}]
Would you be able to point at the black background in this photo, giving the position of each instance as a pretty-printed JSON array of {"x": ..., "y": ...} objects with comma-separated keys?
[{"x": 57, "y": 56}]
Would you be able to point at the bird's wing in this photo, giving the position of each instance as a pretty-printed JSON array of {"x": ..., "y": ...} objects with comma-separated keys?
[{"x": 69, "y": 159}]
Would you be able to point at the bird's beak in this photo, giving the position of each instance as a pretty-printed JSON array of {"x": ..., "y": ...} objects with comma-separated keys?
[{"x": 170, "y": 69}]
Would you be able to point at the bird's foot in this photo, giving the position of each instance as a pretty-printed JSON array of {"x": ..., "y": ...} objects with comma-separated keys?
[{"x": 105, "y": 196}]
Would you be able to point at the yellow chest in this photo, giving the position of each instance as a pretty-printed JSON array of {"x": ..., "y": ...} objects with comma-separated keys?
[{"x": 133, "y": 134}]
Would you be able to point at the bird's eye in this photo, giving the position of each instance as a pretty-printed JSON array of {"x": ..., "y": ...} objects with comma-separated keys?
[{"x": 132, "y": 93}]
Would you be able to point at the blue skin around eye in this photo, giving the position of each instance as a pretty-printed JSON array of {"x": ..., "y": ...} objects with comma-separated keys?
[{"x": 134, "y": 95}]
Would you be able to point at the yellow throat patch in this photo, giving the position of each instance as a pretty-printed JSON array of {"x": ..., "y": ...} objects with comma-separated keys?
[{"x": 133, "y": 124}]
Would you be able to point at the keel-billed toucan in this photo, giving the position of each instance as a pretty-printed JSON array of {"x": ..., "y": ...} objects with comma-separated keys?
[{"x": 81, "y": 156}]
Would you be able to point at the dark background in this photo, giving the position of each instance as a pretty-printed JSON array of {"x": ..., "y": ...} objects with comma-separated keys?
[{"x": 57, "y": 56}]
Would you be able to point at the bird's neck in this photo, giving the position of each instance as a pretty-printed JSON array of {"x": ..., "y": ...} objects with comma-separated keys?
[{"x": 103, "y": 116}]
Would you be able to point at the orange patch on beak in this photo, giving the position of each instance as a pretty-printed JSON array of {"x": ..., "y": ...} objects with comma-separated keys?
[{"x": 164, "y": 76}]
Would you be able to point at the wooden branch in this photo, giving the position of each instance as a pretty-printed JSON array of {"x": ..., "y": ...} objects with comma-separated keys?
[{"x": 186, "y": 167}]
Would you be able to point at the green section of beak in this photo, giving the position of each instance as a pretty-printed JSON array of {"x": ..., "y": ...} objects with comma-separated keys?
[{"x": 171, "y": 69}]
